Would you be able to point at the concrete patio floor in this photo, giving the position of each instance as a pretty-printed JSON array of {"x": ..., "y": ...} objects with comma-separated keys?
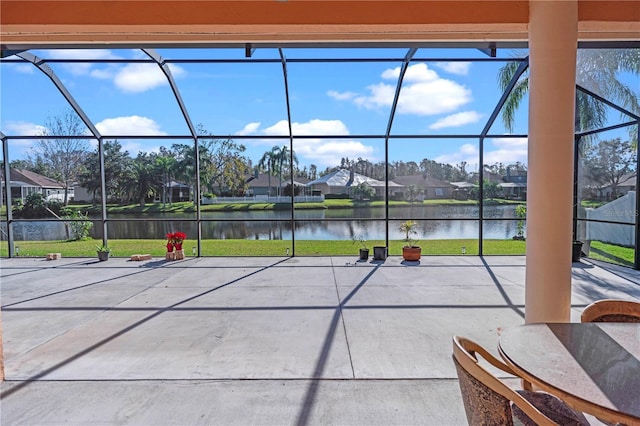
[{"x": 237, "y": 341}]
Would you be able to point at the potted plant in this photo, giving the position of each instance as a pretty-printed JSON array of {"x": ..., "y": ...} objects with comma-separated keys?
[
  {"x": 103, "y": 252},
  {"x": 174, "y": 242},
  {"x": 521, "y": 214},
  {"x": 576, "y": 253},
  {"x": 410, "y": 251},
  {"x": 364, "y": 250}
]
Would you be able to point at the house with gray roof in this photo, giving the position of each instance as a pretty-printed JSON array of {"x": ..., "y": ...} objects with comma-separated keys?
[
  {"x": 431, "y": 187},
  {"x": 343, "y": 181},
  {"x": 261, "y": 184}
]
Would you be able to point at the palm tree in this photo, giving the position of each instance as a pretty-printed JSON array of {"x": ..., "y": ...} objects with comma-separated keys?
[
  {"x": 596, "y": 70},
  {"x": 143, "y": 177},
  {"x": 269, "y": 161},
  {"x": 165, "y": 164},
  {"x": 282, "y": 156}
]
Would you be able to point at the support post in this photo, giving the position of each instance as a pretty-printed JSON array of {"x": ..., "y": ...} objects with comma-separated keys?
[{"x": 553, "y": 40}]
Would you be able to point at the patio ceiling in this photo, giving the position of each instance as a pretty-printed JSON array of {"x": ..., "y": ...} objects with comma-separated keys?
[{"x": 30, "y": 23}]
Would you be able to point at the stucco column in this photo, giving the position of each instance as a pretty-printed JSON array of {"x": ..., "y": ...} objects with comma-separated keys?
[
  {"x": 553, "y": 32},
  {"x": 1, "y": 351}
]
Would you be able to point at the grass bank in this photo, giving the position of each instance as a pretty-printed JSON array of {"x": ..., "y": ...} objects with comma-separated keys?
[
  {"x": 125, "y": 248},
  {"x": 189, "y": 207}
]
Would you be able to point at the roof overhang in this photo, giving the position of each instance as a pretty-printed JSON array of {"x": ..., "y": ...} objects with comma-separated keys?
[{"x": 29, "y": 24}]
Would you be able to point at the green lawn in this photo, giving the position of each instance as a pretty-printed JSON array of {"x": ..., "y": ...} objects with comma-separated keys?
[
  {"x": 612, "y": 253},
  {"x": 125, "y": 248}
]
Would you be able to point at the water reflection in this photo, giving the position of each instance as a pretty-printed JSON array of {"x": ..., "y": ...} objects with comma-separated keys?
[{"x": 438, "y": 222}]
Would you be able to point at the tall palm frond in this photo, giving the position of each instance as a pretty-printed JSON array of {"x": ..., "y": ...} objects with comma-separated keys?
[
  {"x": 520, "y": 90},
  {"x": 598, "y": 71}
]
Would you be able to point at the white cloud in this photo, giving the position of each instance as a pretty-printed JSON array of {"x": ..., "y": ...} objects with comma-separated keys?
[
  {"x": 457, "y": 120},
  {"x": 437, "y": 97},
  {"x": 311, "y": 127},
  {"x": 467, "y": 152},
  {"x": 131, "y": 78},
  {"x": 80, "y": 54},
  {"x": 459, "y": 68},
  {"x": 418, "y": 73},
  {"x": 102, "y": 74},
  {"x": 325, "y": 153},
  {"x": 249, "y": 129},
  {"x": 23, "y": 68},
  {"x": 423, "y": 92},
  {"x": 20, "y": 147},
  {"x": 133, "y": 125},
  {"x": 17, "y": 128},
  {"x": 500, "y": 150},
  {"x": 380, "y": 95},
  {"x": 79, "y": 68},
  {"x": 507, "y": 150},
  {"x": 321, "y": 152},
  {"x": 341, "y": 96},
  {"x": 136, "y": 78}
]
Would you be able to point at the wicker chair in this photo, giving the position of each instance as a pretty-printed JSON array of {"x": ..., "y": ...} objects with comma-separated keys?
[
  {"x": 489, "y": 401},
  {"x": 611, "y": 310}
]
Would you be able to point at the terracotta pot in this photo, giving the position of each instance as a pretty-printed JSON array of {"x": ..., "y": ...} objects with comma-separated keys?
[{"x": 411, "y": 253}]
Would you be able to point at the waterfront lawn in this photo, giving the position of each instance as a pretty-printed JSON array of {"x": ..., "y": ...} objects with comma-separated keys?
[
  {"x": 126, "y": 248},
  {"x": 612, "y": 253}
]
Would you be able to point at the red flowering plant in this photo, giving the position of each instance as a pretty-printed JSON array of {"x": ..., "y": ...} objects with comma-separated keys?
[{"x": 174, "y": 240}]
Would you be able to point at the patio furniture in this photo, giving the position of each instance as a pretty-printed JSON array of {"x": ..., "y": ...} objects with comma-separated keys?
[
  {"x": 488, "y": 400},
  {"x": 612, "y": 310},
  {"x": 593, "y": 367}
]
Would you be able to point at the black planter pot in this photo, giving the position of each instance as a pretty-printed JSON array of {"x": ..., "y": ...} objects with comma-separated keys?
[
  {"x": 577, "y": 251},
  {"x": 103, "y": 255},
  {"x": 379, "y": 253},
  {"x": 364, "y": 254}
]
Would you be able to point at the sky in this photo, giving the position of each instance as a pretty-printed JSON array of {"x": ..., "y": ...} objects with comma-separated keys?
[{"x": 246, "y": 98}]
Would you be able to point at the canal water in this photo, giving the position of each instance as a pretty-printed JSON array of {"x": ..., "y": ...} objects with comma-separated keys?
[{"x": 434, "y": 222}]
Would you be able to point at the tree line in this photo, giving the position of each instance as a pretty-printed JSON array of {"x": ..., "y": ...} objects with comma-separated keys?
[{"x": 224, "y": 167}]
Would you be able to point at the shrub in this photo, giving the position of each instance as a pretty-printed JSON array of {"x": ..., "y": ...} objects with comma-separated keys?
[{"x": 78, "y": 224}]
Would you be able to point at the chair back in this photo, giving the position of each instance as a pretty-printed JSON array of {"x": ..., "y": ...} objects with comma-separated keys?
[
  {"x": 487, "y": 400},
  {"x": 612, "y": 310}
]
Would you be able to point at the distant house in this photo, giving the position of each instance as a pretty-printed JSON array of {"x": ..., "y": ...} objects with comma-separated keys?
[
  {"x": 432, "y": 188},
  {"x": 462, "y": 190},
  {"x": 258, "y": 185},
  {"x": 627, "y": 183},
  {"x": 24, "y": 182},
  {"x": 343, "y": 181},
  {"x": 262, "y": 184},
  {"x": 179, "y": 191},
  {"x": 174, "y": 192},
  {"x": 514, "y": 185}
]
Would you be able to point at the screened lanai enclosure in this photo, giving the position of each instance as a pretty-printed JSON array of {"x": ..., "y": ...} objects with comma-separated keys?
[{"x": 302, "y": 150}]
